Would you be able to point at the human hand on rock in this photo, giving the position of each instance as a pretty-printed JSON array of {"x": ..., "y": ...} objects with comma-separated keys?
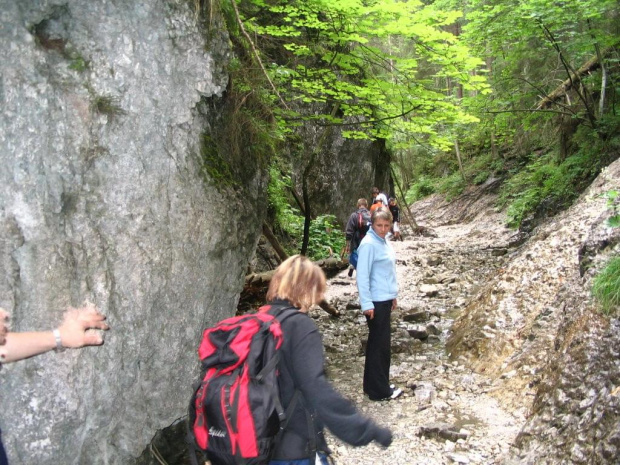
[{"x": 75, "y": 330}]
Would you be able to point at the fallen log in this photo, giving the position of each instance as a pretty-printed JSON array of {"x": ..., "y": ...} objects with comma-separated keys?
[{"x": 257, "y": 284}]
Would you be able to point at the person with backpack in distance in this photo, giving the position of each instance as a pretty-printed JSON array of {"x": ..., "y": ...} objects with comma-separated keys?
[
  {"x": 298, "y": 284},
  {"x": 356, "y": 228},
  {"x": 263, "y": 397},
  {"x": 72, "y": 333},
  {"x": 378, "y": 291},
  {"x": 378, "y": 195},
  {"x": 395, "y": 211}
]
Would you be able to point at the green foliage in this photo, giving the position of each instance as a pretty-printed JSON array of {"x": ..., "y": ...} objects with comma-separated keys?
[
  {"x": 279, "y": 202},
  {"x": 325, "y": 236},
  {"x": 366, "y": 59},
  {"x": 423, "y": 187},
  {"x": 614, "y": 220},
  {"x": 452, "y": 186},
  {"x": 106, "y": 105},
  {"x": 546, "y": 180},
  {"x": 606, "y": 287}
]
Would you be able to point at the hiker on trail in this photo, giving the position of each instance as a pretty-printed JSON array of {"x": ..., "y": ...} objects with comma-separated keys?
[
  {"x": 299, "y": 283},
  {"x": 376, "y": 205},
  {"x": 378, "y": 290},
  {"x": 72, "y": 333},
  {"x": 395, "y": 211},
  {"x": 355, "y": 231},
  {"x": 377, "y": 194}
]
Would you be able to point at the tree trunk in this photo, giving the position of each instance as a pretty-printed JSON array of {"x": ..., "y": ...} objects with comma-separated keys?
[
  {"x": 274, "y": 242},
  {"x": 257, "y": 284},
  {"x": 458, "y": 157},
  {"x": 408, "y": 215},
  {"x": 494, "y": 150}
]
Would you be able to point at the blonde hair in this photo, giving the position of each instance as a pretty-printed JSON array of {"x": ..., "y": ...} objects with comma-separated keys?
[
  {"x": 381, "y": 213},
  {"x": 299, "y": 281}
]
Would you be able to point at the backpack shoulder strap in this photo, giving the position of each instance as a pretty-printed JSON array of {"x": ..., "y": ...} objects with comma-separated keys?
[{"x": 285, "y": 312}]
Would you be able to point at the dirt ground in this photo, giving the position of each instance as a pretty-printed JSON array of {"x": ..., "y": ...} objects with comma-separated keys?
[{"x": 448, "y": 413}]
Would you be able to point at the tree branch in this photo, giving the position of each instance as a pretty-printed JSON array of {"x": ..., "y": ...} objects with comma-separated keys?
[{"x": 255, "y": 51}]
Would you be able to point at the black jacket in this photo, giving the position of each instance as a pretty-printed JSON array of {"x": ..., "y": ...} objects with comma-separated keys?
[
  {"x": 302, "y": 367},
  {"x": 395, "y": 211},
  {"x": 352, "y": 231}
]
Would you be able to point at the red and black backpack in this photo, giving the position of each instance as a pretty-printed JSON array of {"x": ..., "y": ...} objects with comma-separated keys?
[{"x": 235, "y": 413}]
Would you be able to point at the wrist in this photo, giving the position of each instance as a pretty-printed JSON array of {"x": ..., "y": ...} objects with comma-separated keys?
[{"x": 58, "y": 340}]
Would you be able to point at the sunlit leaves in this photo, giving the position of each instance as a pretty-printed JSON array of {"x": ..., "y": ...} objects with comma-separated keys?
[{"x": 378, "y": 61}]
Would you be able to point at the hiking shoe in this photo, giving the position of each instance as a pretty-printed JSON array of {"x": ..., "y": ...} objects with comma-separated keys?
[
  {"x": 351, "y": 271},
  {"x": 396, "y": 392}
]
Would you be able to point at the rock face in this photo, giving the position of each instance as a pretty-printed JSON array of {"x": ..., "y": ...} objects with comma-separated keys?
[
  {"x": 535, "y": 327},
  {"x": 105, "y": 195},
  {"x": 348, "y": 171},
  {"x": 344, "y": 171}
]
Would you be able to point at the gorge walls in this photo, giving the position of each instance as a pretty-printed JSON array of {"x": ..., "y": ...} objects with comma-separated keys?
[{"x": 106, "y": 195}]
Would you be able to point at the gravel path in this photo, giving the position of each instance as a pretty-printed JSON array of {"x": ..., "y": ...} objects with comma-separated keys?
[{"x": 448, "y": 414}]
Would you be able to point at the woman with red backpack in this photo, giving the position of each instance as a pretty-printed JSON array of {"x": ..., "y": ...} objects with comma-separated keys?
[{"x": 299, "y": 283}]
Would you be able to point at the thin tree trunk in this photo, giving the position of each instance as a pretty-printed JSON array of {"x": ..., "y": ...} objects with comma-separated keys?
[
  {"x": 307, "y": 218},
  {"x": 298, "y": 201},
  {"x": 494, "y": 150},
  {"x": 458, "y": 157},
  {"x": 304, "y": 184},
  {"x": 408, "y": 215},
  {"x": 274, "y": 242}
]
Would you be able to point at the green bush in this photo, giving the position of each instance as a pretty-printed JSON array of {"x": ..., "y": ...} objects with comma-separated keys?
[
  {"x": 424, "y": 187},
  {"x": 452, "y": 186},
  {"x": 606, "y": 287},
  {"x": 325, "y": 236},
  {"x": 614, "y": 220},
  {"x": 545, "y": 179}
]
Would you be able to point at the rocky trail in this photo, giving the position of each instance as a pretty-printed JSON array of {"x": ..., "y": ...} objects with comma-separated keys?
[{"x": 448, "y": 413}]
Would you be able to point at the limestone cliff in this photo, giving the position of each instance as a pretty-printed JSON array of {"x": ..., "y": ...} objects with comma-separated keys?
[{"x": 106, "y": 195}]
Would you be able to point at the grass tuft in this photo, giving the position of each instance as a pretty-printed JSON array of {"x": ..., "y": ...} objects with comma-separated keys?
[{"x": 606, "y": 288}]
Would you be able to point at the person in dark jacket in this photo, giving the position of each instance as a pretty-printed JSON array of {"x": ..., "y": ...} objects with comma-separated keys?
[
  {"x": 354, "y": 231},
  {"x": 356, "y": 228},
  {"x": 298, "y": 284},
  {"x": 395, "y": 211}
]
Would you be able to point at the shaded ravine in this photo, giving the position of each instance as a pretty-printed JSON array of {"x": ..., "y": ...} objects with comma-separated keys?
[{"x": 448, "y": 414}]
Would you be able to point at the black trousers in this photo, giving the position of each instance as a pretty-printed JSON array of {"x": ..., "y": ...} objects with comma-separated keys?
[{"x": 378, "y": 352}]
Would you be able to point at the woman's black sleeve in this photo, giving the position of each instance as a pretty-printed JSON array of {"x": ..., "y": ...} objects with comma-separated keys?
[{"x": 336, "y": 412}]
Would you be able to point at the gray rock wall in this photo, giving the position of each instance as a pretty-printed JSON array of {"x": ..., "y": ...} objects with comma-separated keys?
[
  {"x": 104, "y": 196},
  {"x": 348, "y": 171},
  {"x": 344, "y": 171}
]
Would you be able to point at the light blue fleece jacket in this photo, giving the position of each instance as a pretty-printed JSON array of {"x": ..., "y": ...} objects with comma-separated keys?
[{"x": 376, "y": 270}]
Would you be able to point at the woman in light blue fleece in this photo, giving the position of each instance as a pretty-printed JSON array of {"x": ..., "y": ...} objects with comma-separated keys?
[{"x": 378, "y": 290}]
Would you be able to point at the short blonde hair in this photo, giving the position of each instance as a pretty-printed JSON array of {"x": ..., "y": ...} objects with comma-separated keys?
[
  {"x": 299, "y": 281},
  {"x": 381, "y": 213}
]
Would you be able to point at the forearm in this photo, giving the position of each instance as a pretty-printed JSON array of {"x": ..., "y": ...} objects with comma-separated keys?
[
  {"x": 363, "y": 281},
  {"x": 23, "y": 345}
]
